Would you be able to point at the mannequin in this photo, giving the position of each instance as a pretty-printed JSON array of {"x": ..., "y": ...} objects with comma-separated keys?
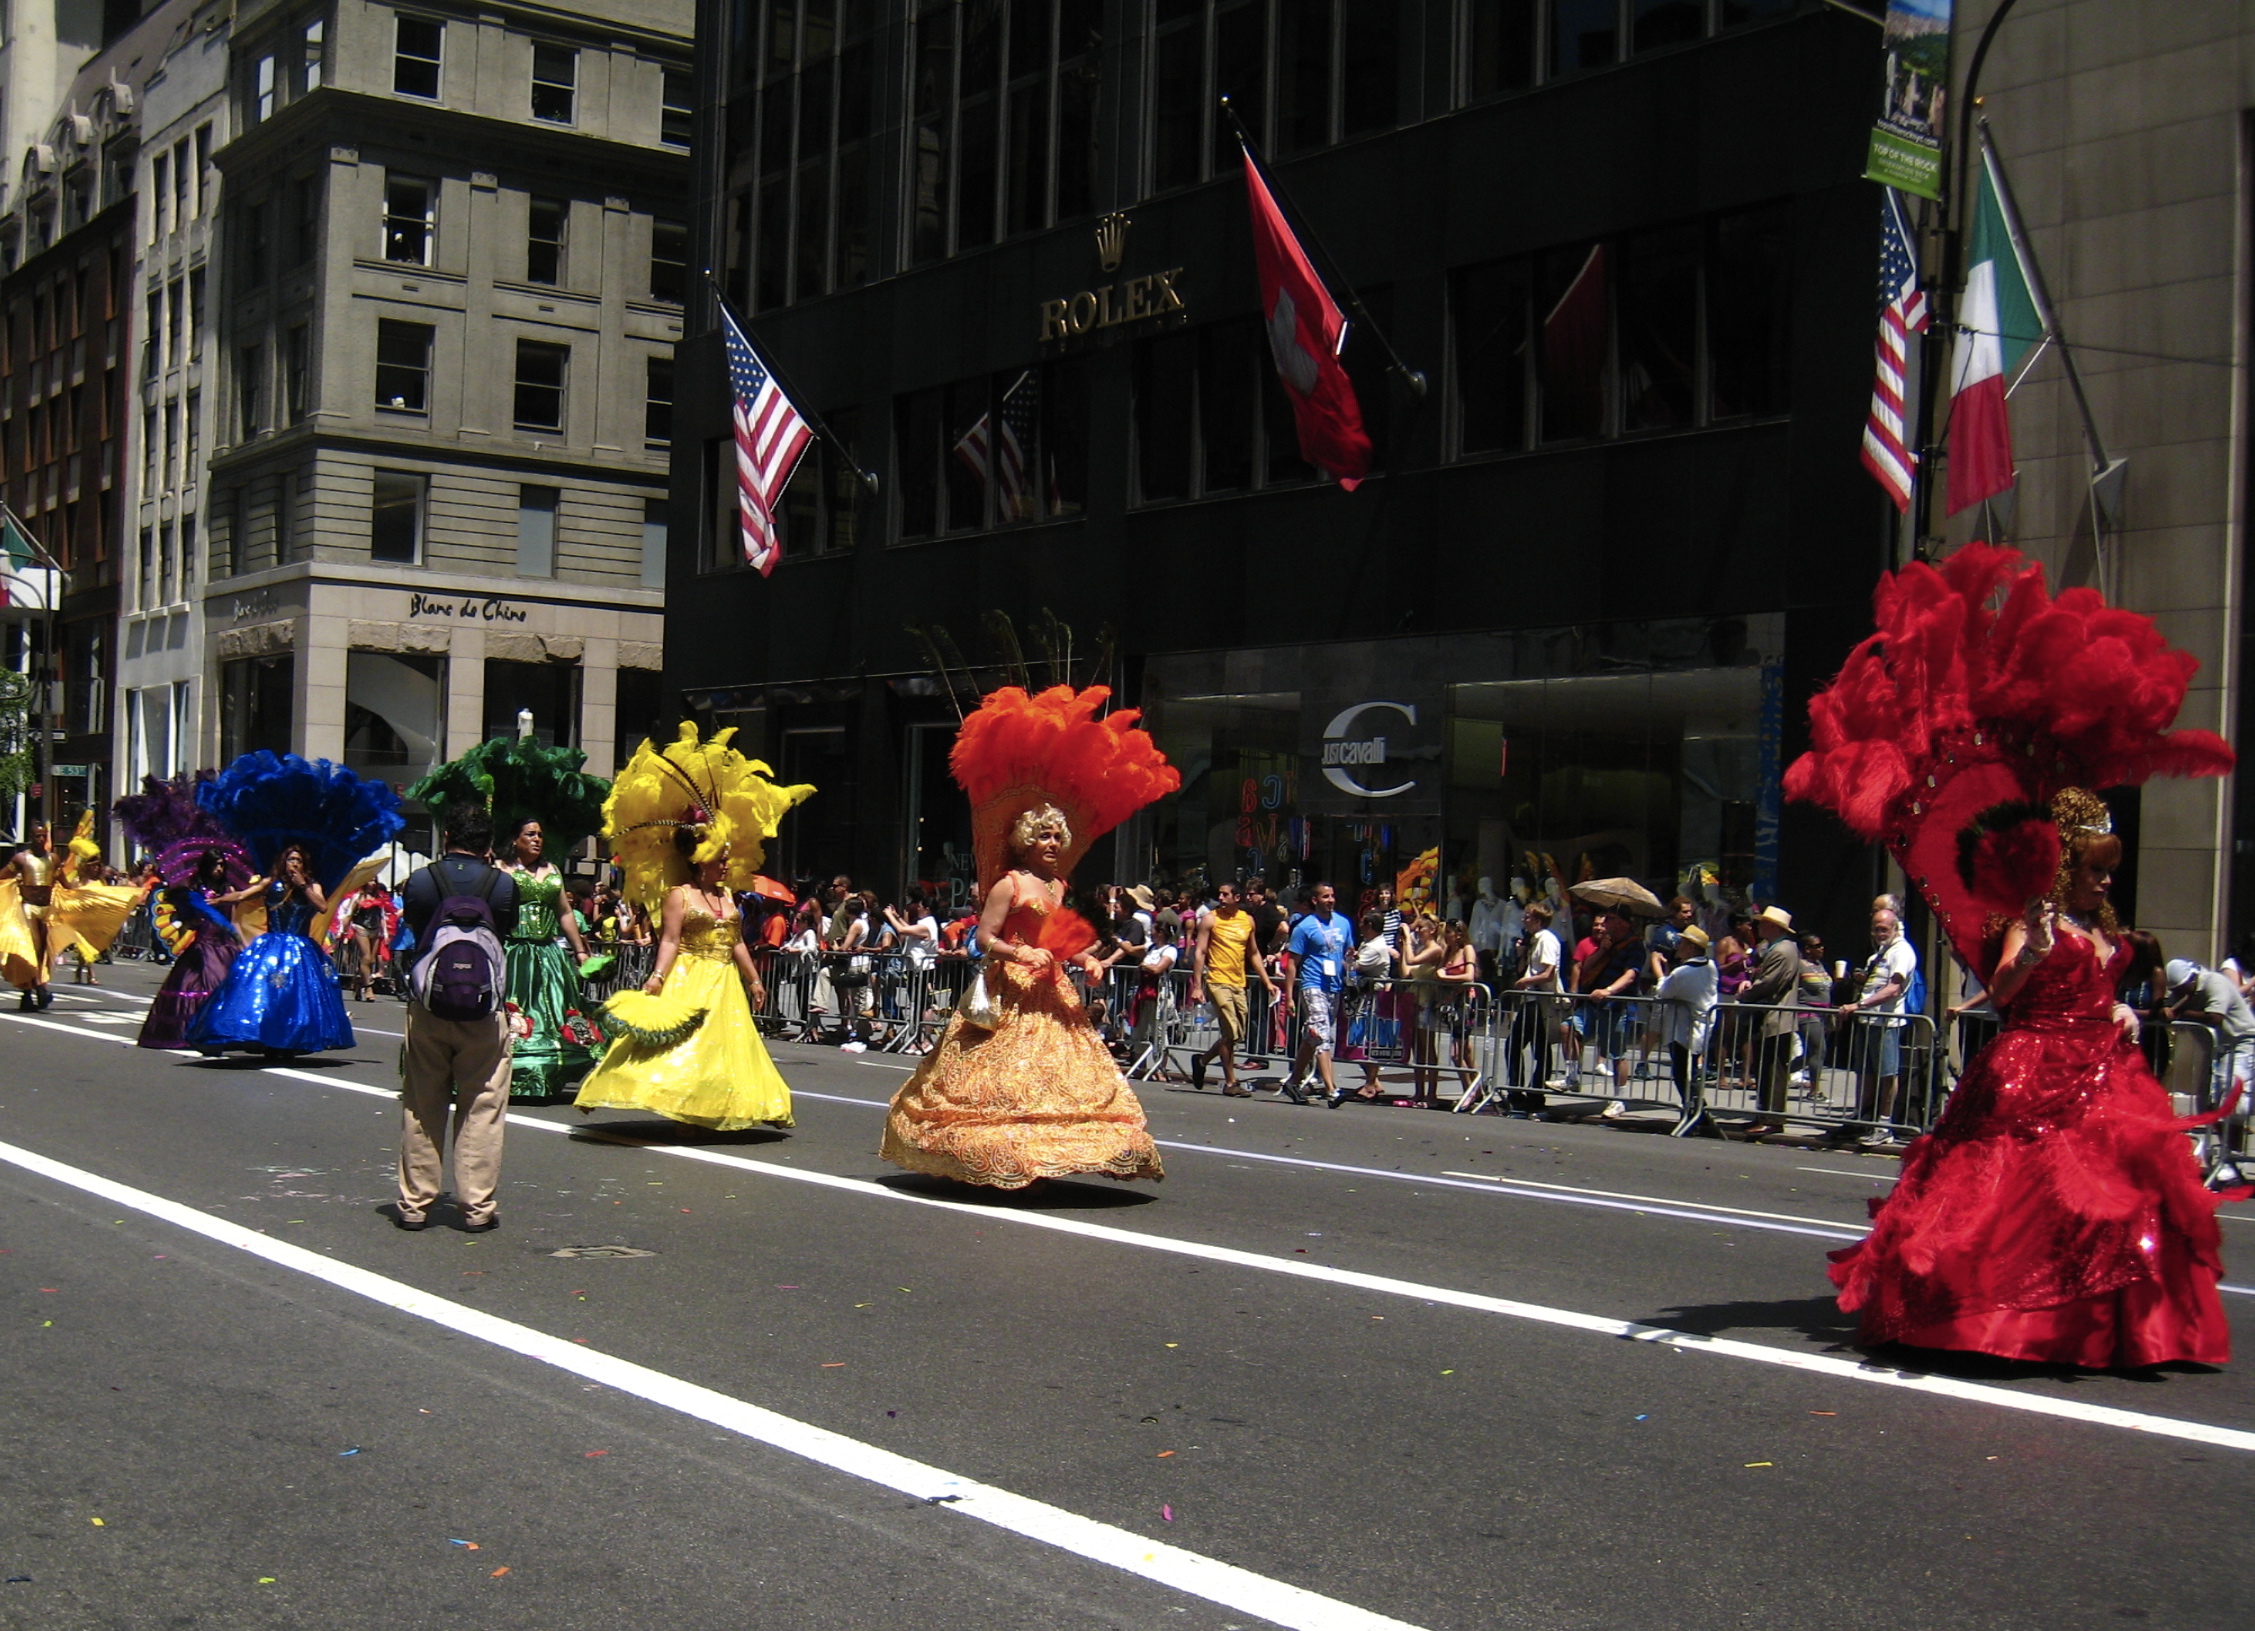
[{"x": 1495, "y": 926}]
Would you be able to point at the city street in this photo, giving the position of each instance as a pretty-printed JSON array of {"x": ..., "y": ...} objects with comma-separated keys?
[{"x": 1354, "y": 1369}]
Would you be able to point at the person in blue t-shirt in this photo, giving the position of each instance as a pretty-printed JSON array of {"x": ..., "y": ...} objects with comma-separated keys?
[{"x": 1319, "y": 952}]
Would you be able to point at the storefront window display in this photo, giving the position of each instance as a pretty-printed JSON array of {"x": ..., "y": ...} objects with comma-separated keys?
[
  {"x": 1647, "y": 750},
  {"x": 395, "y": 715}
]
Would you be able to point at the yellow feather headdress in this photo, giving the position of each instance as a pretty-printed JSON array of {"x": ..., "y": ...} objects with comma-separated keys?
[{"x": 729, "y": 801}]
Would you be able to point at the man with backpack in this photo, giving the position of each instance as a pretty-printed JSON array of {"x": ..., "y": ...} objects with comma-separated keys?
[{"x": 455, "y": 1061}]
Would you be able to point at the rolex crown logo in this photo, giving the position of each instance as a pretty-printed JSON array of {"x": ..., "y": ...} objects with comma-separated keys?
[{"x": 1111, "y": 241}]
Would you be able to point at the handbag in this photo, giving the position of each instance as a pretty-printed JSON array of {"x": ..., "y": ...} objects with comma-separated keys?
[{"x": 978, "y": 1006}]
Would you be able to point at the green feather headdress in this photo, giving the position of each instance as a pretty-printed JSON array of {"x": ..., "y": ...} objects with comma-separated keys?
[{"x": 517, "y": 778}]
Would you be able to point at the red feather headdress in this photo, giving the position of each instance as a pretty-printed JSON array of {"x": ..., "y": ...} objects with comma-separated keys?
[
  {"x": 1981, "y": 690},
  {"x": 1020, "y": 751}
]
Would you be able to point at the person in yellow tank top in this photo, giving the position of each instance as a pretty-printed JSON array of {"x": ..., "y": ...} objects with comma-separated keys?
[{"x": 1226, "y": 956}]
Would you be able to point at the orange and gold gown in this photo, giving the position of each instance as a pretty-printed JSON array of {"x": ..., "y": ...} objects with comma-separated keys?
[{"x": 1038, "y": 1096}]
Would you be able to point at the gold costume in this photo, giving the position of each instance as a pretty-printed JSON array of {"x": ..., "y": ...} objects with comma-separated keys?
[
  {"x": 1039, "y": 1096},
  {"x": 33, "y": 932},
  {"x": 719, "y": 1075}
]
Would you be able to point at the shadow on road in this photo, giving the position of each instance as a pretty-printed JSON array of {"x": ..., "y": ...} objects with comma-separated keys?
[
  {"x": 1043, "y": 1195},
  {"x": 674, "y": 1132},
  {"x": 1816, "y": 1317}
]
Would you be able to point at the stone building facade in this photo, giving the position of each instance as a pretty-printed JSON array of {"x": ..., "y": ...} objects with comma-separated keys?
[
  {"x": 2125, "y": 133},
  {"x": 453, "y": 280}
]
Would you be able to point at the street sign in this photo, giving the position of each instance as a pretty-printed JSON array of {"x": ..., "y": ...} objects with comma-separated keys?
[{"x": 69, "y": 770}]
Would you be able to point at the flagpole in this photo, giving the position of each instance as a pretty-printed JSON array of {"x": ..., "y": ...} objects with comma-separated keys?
[
  {"x": 51, "y": 681},
  {"x": 799, "y": 399},
  {"x": 1411, "y": 377}
]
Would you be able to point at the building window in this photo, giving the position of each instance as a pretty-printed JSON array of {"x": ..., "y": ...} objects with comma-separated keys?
[
  {"x": 187, "y": 558},
  {"x": 160, "y": 185},
  {"x": 250, "y": 381},
  {"x": 540, "y": 385},
  {"x": 804, "y": 212},
  {"x": 677, "y": 110},
  {"x": 548, "y": 691},
  {"x": 395, "y": 518},
  {"x": 257, "y": 246},
  {"x": 1329, "y": 71},
  {"x": 148, "y": 576},
  {"x": 314, "y": 37},
  {"x": 1667, "y": 329},
  {"x": 164, "y": 565},
  {"x": 175, "y": 330},
  {"x": 653, "y": 543},
  {"x": 993, "y": 452},
  {"x": 822, "y": 506},
  {"x": 536, "y": 531},
  {"x": 286, "y": 516},
  {"x": 196, "y": 312},
  {"x": 255, "y": 705},
  {"x": 1583, "y": 34},
  {"x": 417, "y": 45},
  {"x": 203, "y": 169},
  {"x": 546, "y": 221},
  {"x": 262, "y": 90},
  {"x": 192, "y": 443},
  {"x": 403, "y": 366},
  {"x": 555, "y": 81},
  {"x": 180, "y": 205},
  {"x": 657, "y": 403},
  {"x": 669, "y": 261},
  {"x": 395, "y": 714},
  {"x": 171, "y": 445},
  {"x": 305, "y": 219},
  {"x": 410, "y": 219},
  {"x": 297, "y": 360}
]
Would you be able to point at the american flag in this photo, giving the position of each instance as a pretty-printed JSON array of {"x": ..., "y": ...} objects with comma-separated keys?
[
  {"x": 1902, "y": 313},
  {"x": 1000, "y": 458},
  {"x": 770, "y": 436}
]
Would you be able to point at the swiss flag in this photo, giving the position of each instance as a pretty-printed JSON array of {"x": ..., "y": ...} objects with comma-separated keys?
[{"x": 1305, "y": 332}]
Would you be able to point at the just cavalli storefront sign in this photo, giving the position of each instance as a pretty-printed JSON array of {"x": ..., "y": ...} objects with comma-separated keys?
[{"x": 1117, "y": 304}]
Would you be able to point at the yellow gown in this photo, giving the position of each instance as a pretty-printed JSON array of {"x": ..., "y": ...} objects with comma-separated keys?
[
  {"x": 719, "y": 1075},
  {"x": 1036, "y": 1097},
  {"x": 23, "y": 949}
]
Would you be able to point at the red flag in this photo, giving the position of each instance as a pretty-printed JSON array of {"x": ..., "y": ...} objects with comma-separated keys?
[{"x": 1305, "y": 332}]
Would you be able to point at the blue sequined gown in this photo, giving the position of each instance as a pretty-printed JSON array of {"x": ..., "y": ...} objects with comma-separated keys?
[{"x": 280, "y": 994}]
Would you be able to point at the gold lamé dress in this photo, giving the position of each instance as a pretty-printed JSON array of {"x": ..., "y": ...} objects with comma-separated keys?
[
  {"x": 719, "y": 1075},
  {"x": 1036, "y": 1097},
  {"x": 87, "y": 916}
]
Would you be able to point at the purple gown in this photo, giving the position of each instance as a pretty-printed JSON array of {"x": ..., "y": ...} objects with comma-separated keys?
[{"x": 196, "y": 972}]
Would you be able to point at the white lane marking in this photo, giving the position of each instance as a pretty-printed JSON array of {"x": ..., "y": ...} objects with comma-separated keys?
[
  {"x": 1651, "y": 1202},
  {"x": 68, "y": 1029},
  {"x": 1835, "y": 1172},
  {"x": 1185, "y": 1571},
  {"x": 2230, "y": 1438},
  {"x": 1562, "y": 1194}
]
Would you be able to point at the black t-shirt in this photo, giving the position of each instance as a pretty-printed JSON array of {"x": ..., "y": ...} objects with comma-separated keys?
[
  {"x": 462, "y": 875},
  {"x": 1266, "y": 921}
]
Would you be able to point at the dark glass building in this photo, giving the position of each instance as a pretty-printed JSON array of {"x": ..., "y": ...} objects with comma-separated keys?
[{"x": 1605, "y": 553}]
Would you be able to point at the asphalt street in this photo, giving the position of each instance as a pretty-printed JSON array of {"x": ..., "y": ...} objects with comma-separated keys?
[{"x": 1341, "y": 1370}]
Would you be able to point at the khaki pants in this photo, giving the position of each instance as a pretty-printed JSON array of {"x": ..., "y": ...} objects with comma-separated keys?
[{"x": 459, "y": 1066}]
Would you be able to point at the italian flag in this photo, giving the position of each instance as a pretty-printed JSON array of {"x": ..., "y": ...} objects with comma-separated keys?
[
  {"x": 27, "y": 577},
  {"x": 1998, "y": 321}
]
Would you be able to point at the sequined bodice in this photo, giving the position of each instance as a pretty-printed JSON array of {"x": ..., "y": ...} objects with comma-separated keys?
[
  {"x": 1025, "y": 920},
  {"x": 287, "y": 912},
  {"x": 2069, "y": 987},
  {"x": 537, "y": 896},
  {"x": 703, "y": 935}
]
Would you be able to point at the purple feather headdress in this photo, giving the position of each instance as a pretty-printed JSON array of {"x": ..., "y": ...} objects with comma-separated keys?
[{"x": 165, "y": 821}]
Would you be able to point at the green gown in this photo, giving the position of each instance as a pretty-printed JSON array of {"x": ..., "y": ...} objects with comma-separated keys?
[{"x": 544, "y": 986}]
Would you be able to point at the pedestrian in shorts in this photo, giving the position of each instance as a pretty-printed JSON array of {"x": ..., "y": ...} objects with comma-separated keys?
[
  {"x": 1319, "y": 950},
  {"x": 1224, "y": 955}
]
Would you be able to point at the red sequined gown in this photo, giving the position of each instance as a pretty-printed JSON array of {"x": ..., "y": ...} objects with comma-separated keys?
[{"x": 2055, "y": 1213}]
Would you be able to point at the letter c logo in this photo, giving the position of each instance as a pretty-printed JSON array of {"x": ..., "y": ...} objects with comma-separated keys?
[{"x": 1342, "y": 729}]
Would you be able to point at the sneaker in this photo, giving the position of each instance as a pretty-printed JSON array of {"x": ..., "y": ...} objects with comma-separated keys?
[
  {"x": 853, "y": 1047},
  {"x": 1289, "y": 1089},
  {"x": 1880, "y": 1140},
  {"x": 1229, "y": 1091},
  {"x": 1336, "y": 1097},
  {"x": 1198, "y": 1073},
  {"x": 1615, "y": 1109}
]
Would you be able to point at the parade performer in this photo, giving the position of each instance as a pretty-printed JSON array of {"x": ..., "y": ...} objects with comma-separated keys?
[
  {"x": 689, "y": 825},
  {"x": 44, "y": 910},
  {"x": 307, "y": 826},
  {"x": 2055, "y": 1213},
  {"x": 542, "y": 805},
  {"x": 1020, "y": 1086},
  {"x": 196, "y": 864}
]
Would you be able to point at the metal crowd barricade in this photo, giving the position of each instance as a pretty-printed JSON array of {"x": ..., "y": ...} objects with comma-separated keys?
[{"x": 138, "y": 938}]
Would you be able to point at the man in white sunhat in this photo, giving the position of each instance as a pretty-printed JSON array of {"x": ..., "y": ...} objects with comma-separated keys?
[{"x": 1777, "y": 986}]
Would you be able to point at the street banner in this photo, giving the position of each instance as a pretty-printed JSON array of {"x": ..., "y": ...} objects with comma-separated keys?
[
  {"x": 28, "y": 579},
  {"x": 1306, "y": 332},
  {"x": 1906, "y": 144},
  {"x": 1999, "y": 320}
]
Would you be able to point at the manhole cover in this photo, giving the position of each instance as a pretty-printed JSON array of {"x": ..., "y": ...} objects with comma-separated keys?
[{"x": 602, "y": 1251}]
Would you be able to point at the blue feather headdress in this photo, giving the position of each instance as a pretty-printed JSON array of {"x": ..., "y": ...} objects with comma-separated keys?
[
  {"x": 269, "y": 801},
  {"x": 165, "y": 821}
]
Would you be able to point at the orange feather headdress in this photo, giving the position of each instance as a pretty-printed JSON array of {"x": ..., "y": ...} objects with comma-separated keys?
[{"x": 1020, "y": 751}]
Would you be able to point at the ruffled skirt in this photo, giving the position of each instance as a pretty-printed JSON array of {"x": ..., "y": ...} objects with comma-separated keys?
[
  {"x": 718, "y": 1076},
  {"x": 1038, "y": 1096},
  {"x": 544, "y": 986},
  {"x": 2054, "y": 1214},
  {"x": 197, "y": 972}
]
